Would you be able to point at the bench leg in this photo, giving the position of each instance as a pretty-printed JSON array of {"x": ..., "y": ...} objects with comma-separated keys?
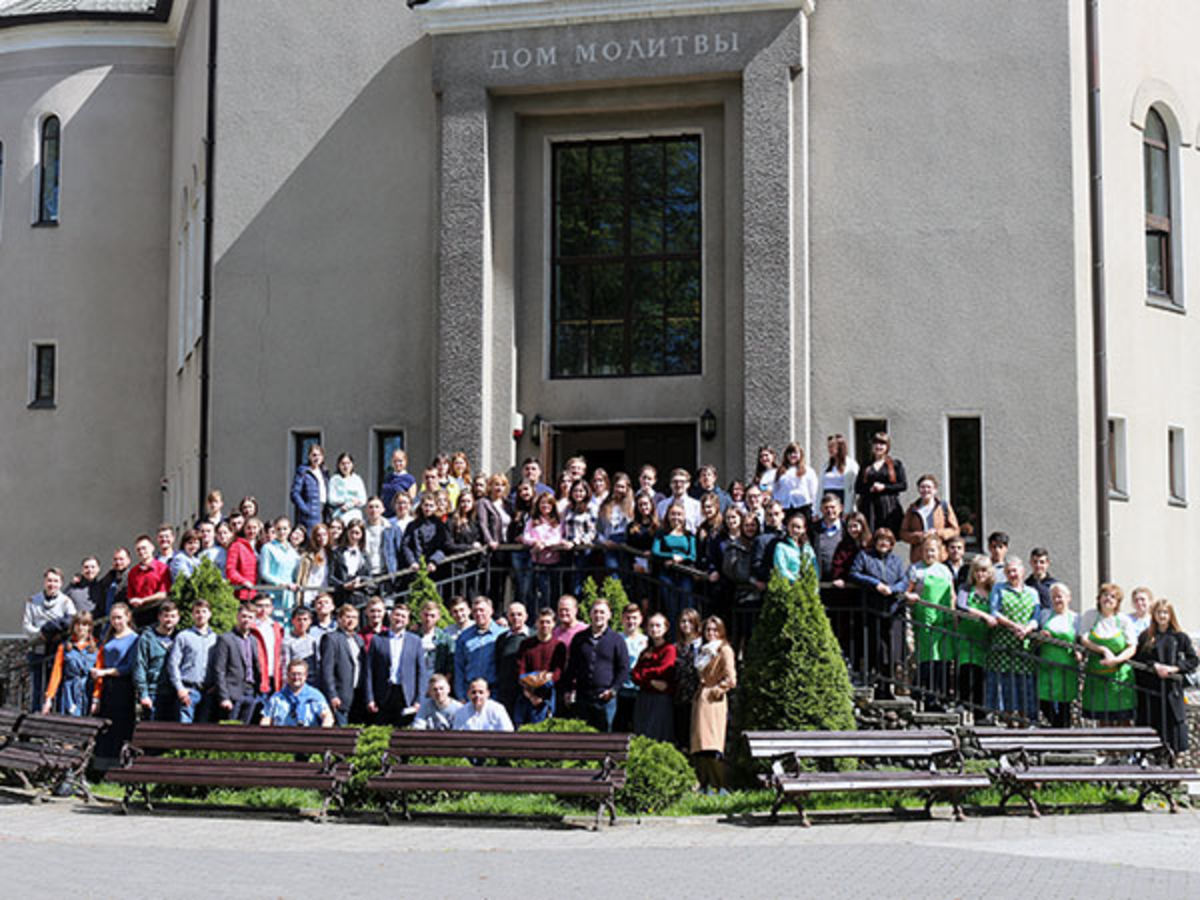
[
  {"x": 805, "y": 821},
  {"x": 146, "y": 797},
  {"x": 779, "y": 798},
  {"x": 611, "y": 803},
  {"x": 929, "y": 801},
  {"x": 404, "y": 810}
]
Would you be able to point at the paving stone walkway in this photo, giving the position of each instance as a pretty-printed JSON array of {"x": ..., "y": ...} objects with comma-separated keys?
[{"x": 176, "y": 854}]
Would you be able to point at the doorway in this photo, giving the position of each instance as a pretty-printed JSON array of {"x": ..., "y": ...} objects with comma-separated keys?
[{"x": 624, "y": 448}]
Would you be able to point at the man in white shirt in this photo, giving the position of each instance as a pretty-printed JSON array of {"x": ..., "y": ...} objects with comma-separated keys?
[
  {"x": 481, "y": 713},
  {"x": 680, "y": 482}
]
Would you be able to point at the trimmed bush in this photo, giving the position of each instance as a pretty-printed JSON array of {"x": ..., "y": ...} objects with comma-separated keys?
[
  {"x": 611, "y": 590},
  {"x": 794, "y": 677},
  {"x": 209, "y": 583},
  {"x": 367, "y": 761},
  {"x": 422, "y": 591},
  {"x": 656, "y": 776}
]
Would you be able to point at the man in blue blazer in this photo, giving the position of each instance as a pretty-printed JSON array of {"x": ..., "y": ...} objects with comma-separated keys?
[{"x": 395, "y": 672}]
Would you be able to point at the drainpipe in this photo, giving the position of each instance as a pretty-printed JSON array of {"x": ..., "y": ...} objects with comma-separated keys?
[
  {"x": 1099, "y": 321},
  {"x": 206, "y": 299}
]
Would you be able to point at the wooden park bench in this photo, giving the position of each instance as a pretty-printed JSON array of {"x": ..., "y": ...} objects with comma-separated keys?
[
  {"x": 316, "y": 759},
  {"x": 404, "y": 771},
  {"x": 46, "y": 750},
  {"x": 921, "y": 751},
  {"x": 9, "y": 717},
  {"x": 1031, "y": 757}
]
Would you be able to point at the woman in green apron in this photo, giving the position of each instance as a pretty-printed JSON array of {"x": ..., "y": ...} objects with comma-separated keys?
[
  {"x": 932, "y": 583},
  {"x": 1108, "y": 692},
  {"x": 1058, "y": 672},
  {"x": 1010, "y": 664},
  {"x": 975, "y": 624}
]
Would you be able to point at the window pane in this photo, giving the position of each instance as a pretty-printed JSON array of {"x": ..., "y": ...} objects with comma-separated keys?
[
  {"x": 44, "y": 387},
  {"x": 683, "y": 226},
  {"x": 572, "y": 288},
  {"x": 646, "y": 169},
  {"x": 683, "y": 346},
  {"x": 646, "y": 289},
  {"x": 608, "y": 349},
  {"x": 1158, "y": 183},
  {"x": 386, "y": 443},
  {"x": 608, "y": 172},
  {"x": 608, "y": 293},
  {"x": 607, "y": 235},
  {"x": 683, "y": 168},
  {"x": 572, "y": 172},
  {"x": 966, "y": 477},
  {"x": 302, "y": 442},
  {"x": 48, "y": 208},
  {"x": 1156, "y": 262},
  {"x": 572, "y": 232},
  {"x": 864, "y": 430},
  {"x": 571, "y": 350},
  {"x": 646, "y": 226},
  {"x": 683, "y": 289},
  {"x": 647, "y": 348},
  {"x": 1156, "y": 129}
]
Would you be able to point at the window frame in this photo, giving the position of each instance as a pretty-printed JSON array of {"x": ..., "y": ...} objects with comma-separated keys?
[
  {"x": 976, "y": 542},
  {"x": 1, "y": 190},
  {"x": 626, "y": 257},
  {"x": 379, "y": 460},
  {"x": 1163, "y": 229},
  {"x": 1117, "y": 476},
  {"x": 42, "y": 218},
  {"x": 1176, "y": 466},
  {"x": 36, "y": 399}
]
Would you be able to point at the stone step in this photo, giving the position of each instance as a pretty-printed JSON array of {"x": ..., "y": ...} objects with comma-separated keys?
[{"x": 898, "y": 704}]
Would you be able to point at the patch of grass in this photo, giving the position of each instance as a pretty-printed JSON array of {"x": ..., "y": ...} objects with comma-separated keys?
[{"x": 498, "y": 805}]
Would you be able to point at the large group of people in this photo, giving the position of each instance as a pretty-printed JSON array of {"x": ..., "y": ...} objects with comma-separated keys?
[{"x": 983, "y": 632}]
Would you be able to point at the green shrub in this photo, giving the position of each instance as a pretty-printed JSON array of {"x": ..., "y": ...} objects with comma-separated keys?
[
  {"x": 794, "y": 677},
  {"x": 657, "y": 775},
  {"x": 366, "y": 762},
  {"x": 422, "y": 591},
  {"x": 611, "y": 590},
  {"x": 207, "y": 582},
  {"x": 557, "y": 726}
]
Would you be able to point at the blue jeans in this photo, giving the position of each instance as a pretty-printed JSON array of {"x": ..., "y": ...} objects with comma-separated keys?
[
  {"x": 597, "y": 713},
  {"x": 200, "y": 709},
  {"x": 676, "y": 597},
  {"x": 522, "y": 570}
]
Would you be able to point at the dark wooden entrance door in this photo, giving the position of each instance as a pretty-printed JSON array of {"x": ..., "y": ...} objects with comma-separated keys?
[{"x": 626, "y": 448}]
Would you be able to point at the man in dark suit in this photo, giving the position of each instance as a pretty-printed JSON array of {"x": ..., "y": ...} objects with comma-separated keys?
[
  {"x": 237, "y": 670},
  {"x": 343, "y": 663},
  {"x": 395, "y": 672}
]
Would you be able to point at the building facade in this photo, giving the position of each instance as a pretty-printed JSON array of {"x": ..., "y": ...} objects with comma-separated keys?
[{"x": 542, "y": 227}]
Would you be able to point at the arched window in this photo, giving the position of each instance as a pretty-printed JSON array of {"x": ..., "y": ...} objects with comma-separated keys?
[
  {"x": 1156, "y": 162},
  {"x": 49, "y": 167}
]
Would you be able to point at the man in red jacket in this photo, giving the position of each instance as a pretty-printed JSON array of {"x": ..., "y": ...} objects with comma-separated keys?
[{"x": 147, "y": 584}]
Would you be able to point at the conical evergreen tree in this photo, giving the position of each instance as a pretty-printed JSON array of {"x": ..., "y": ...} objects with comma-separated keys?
[{"x": 794, "y": 677}]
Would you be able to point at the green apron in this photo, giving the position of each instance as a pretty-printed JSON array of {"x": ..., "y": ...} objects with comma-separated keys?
[
  {"x": 932, "y": 626},
  {"x": 1010, "y": 653},
  {"x": 1108, "y": 690},
  {"x": 1058, "y": 675},
  {"x": 974, "y": 636}
]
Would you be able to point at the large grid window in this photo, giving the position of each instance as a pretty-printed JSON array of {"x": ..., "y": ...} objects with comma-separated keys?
[
  {"x": 625, "y": 258},
  {"x": 1156, "y": 163}
]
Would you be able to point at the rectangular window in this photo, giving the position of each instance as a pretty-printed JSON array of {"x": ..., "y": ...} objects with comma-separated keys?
[
  {"x": 1118, "y": 479},
  {"x": 965, "y": 482},
  {"x": 387, "y": 441},
  {"x": 625, "y": 258},
  {"x": 1176, "y": 467},
  {"x": 43, "y": 376},
  {"x": 863, "y": 430},
  {"x": 302, "y": 442}
]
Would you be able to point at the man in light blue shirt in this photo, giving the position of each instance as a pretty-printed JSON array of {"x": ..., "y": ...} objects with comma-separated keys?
[
  {"x": 299, "y": 703},
  {"x": 475, "y": 651},
  {"x": 481, "y": 713},
  {"x": 187, "y": 665}
]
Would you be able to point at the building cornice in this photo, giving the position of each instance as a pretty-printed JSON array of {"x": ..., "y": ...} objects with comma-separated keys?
[{"x": 457, "y": 16}]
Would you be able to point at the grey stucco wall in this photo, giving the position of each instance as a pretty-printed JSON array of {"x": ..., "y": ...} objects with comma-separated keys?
[
  {"x": 325, "y": 243},
  {"x": 80, "y": 478},
  {"x": 943, "y": 269}
]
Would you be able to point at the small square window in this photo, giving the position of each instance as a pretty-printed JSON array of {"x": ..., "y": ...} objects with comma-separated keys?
[
  {"x": 43, "y": 372},
  {"x": 1176, "y": 467},
  {"x": 387, "y": 442},
  {"x": 864, "y": 432},
  {"x": 1117, "y": 475}
]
